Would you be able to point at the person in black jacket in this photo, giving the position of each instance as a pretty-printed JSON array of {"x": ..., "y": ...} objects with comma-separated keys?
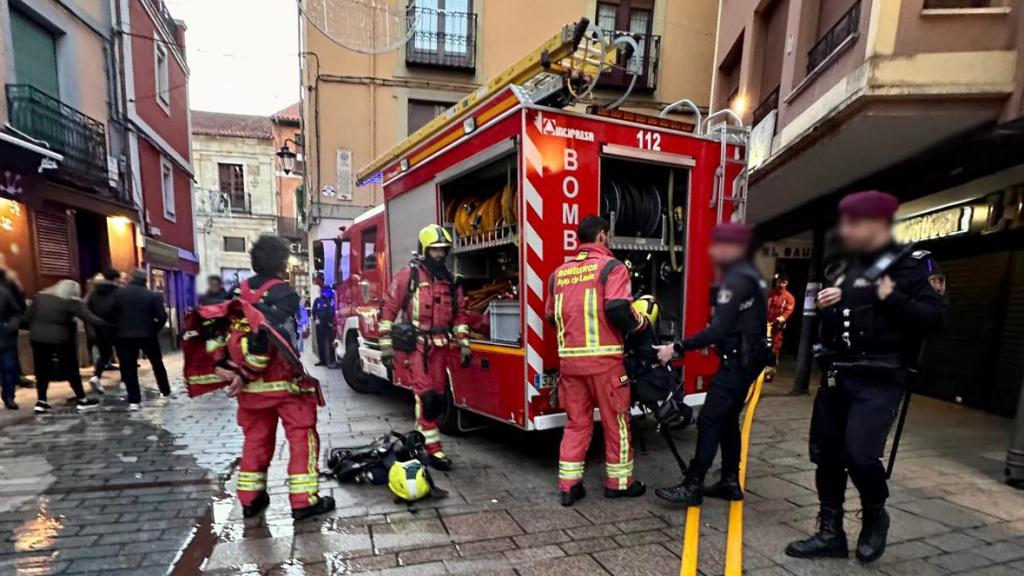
[
  {"x": 140, "y": 315},
  {"x": 12, "y": 307},
  {"x": 215, "y": 292},
  {"x": 101, "y": 303},
  {"x": 52, "y": 330},
  {"x": 738, "y": 331},
  {"x": 323, "y": 315}
]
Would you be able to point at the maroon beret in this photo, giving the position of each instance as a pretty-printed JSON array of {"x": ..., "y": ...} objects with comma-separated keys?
[
  {"x": 736, "y": 232},
  {"x": 869, "y": 204}
]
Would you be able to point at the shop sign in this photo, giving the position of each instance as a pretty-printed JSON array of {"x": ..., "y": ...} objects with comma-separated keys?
[
  {"x": 941, "y": 224},
  {"x": 787, "y": 249},
  {"x": 160, "y": 254},
  {"x": 1005, "y": 210}
]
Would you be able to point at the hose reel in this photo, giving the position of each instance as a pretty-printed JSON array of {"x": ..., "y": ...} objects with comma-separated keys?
[{"x": 637, "y": 208}]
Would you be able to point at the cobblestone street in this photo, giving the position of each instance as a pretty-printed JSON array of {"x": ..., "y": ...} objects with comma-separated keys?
[{"x": 115, "y": 493}]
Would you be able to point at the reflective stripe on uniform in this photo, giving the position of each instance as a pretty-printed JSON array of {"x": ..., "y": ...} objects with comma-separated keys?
[
  {"x": 584, "y": 351},
  {"x": 252, "y": 481},
  {"x": 215, "y": 344},
  {"x": 414, "y": 308},
  {"x": 261, "y": 387},
  {"x": 570, "y": 470},
  {"x": 303, "y": 483},
  {"x": 625, "y": 465},
  {"x": 259, "y": 361},
  {"x": 384, "y": 326},
  {"x": 430, "y": 435},
  {"x": 204, "y": 379},
  {"x": 559, "y": 322},
  {"x": 590, "y": 318}
]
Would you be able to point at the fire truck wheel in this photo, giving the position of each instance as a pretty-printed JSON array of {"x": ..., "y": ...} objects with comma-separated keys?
[
  {"x": 448, "y": 422},
  {"x": 352, "y": 370}
]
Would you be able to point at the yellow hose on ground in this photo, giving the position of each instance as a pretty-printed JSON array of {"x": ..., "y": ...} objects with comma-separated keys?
[{"x": 734, "y": 539}]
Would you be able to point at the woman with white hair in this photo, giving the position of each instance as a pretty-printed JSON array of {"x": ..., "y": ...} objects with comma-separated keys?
[{"x": 52, "y": 330}]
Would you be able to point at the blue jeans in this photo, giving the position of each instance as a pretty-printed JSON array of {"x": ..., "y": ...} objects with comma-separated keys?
[{"x": 9, "y": 373}]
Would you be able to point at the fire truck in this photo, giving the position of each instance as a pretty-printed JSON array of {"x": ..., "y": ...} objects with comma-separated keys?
[{"x": 511, "y": 170}]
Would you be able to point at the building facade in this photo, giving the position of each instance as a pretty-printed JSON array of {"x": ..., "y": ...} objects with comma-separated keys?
[
  {"x": 356, "y": 106},
  {"x": 291, "y": 194},
  {"x": 153, "y": 97},
  {"x": 65, "y": 208},
  {"x": 236, "y": 190},
  {"x": 920, "y": 98}
]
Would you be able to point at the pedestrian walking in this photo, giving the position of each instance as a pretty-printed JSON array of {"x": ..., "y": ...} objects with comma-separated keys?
[
  {"x": 101, "y": 303},
  {"x": 589, "y": 302},
  {"x": 781, "y": 304},
  {"x": 140, "y": 315},
  {"x": 276, "y": 394},
  {"x": 738, "y": 331},
  {"x": 323, "y": 315},
  {"x": 12, "y": 308},
  {"x": 875, "y": 313},
  {"x": 53, "y": 334},
  {"x": 215, "y": 292},
  {"x": 301, "y": 329},
  {"x": 418, "y": 345}
]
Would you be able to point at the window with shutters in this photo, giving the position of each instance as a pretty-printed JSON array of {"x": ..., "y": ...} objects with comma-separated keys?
[
  {"x": 167, "y": 188},
  {"x": 633, "y": 18},
  {"x": 35, "y": 53},
  {"x": 54, "y": 248},
  {"x": 423, "y": 111},
  {"x": 232, "y": 183}
]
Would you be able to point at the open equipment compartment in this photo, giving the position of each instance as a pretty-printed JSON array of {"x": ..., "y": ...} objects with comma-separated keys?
[
  {"x": 480, "y": 208},
  {"x": 647, "y": 203}
]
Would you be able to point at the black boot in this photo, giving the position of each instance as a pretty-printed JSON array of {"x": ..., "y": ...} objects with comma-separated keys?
[
  {"x": 257, "y": 507},
  {"x": 874, "y": 531},
  {"x": 829, "y": 542},
  {"x": 635, "y": 490},
  {"x": 323, "y": 505},
  {"x": 440, "y": 462},
  {"x": 689, "y": 492},
  {"x": 577, "y": 492},
  {"x": 728, "y": 488}
]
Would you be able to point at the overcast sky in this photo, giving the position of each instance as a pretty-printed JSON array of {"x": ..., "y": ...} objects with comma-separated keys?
[{"x": 242, "y": 54}]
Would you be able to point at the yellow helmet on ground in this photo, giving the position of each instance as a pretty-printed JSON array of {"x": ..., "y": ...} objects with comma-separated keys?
[
  {"x": 434, "y": 236},
  {"x": 647, "y": 307},
  {"x": 409, "y": 480}
]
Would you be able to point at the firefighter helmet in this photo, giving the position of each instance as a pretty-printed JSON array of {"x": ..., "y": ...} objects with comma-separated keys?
[
  {"x": 647, "y": 307},
  {"x": 434, "y": 236},
  {"x": 409, "y": 480}
]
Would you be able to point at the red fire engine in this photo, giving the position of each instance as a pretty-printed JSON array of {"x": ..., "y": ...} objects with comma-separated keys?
[{"x": 511, "y": 172}]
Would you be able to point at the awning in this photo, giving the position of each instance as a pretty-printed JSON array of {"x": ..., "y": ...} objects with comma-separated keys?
[{"x": 160, "y": 254}]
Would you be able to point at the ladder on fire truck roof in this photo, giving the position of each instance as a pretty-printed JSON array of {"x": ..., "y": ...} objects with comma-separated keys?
[
  {"x": 738, "y": 136},
  {"x": 573, "y": 52}
]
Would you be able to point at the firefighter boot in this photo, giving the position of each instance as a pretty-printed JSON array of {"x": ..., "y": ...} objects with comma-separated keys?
[
  {"x": 323, "y": 505},
  {"x": 577, "y": 492},
  {"x": 439, "y": 461},
  {"x": 874, "y": 531},
  {"x": 728, "y": 488},
  {"x": 689, "y": 492},
  {"x": 828, "y": 542},
  {"x": 259, "y": 504},
  {"x": 635, "y": 490}
]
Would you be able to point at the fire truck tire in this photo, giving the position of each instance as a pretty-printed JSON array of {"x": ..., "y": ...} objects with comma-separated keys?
[
  {"x": 352, "y": 370},
  {"x": 448, "y": 422}
]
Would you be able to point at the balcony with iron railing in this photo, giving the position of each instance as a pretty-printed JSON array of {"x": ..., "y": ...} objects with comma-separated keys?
[
  {"x": 770, "y": 103},
  {"x": 167, "y": 20},
  {"x": 838, "y": 36},
  {"x": 80, "y": 139},
  {"x": 291, "y": 228},
  {"x": 644, "y": 64},
  {"x": 442, "y": 39}
]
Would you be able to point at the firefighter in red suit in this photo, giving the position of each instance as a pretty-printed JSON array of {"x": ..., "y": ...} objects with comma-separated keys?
[
  {"x": 589, "y": 301},
  {"x": 418, "y": 344},
  {"x": 780, "y": 307},
  {"x": 270, "y": 389}
]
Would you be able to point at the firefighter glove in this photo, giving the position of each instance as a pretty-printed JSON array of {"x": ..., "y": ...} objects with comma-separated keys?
[{"x": 465, "y": 356}]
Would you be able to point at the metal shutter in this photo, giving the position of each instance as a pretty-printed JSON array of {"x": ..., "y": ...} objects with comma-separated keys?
[
  {"x": 35, "y": 53},
  {"x": 53, "y": 244},
  {"x": 1009, "y": 371},
  {"x": 958, "y": 362}
]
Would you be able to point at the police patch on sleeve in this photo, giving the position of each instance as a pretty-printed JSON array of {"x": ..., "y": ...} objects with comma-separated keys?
[{"x": 724, "y": 295}]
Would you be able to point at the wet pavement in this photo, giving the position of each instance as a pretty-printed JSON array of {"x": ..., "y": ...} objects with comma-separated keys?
[{"x": 113, "y": 492}]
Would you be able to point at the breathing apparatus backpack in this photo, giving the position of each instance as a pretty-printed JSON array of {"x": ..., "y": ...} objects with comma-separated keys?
[
  {"x": 653, "y": 384},
  {"x": 397, "y": 460}
]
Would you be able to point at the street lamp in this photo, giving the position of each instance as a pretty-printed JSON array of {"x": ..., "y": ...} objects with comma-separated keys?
[{"x": 287, "y": 156}]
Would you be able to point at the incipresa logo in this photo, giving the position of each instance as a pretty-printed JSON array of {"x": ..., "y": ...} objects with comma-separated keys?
[{"x": 549, "y": 127}]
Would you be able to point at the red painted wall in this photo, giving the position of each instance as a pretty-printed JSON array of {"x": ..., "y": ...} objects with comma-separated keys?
[
  {"x": 178, "y": 232},
  {"x": 173, "y": 127}
]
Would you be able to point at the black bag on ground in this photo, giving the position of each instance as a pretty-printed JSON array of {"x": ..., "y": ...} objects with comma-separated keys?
[{"x": 369, "y": 464}]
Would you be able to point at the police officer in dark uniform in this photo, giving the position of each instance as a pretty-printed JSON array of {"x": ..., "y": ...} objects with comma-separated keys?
[
  {"x": 877, "y": 309},
  {"x": 738, "y": 333}
]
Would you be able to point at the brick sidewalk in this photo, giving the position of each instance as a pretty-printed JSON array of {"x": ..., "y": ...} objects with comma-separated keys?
[{"x": 112, "y": 492}]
